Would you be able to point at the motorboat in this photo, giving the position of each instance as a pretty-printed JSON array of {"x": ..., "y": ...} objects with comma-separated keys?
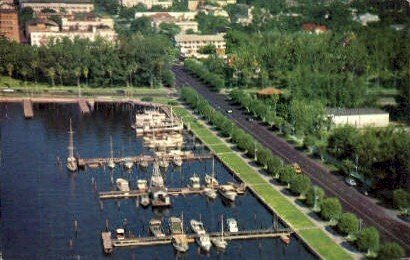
[
  {"x": 197, "y": 227},
  {"x": 204, "y": 242},
  {"x": 240, "y": 188},
  {"x": 180, "y": 243},
  {"x": 177, "y": 161},
  {"x": 128, "y": 164},
  {"x": 155, "y": 226},
  {"x": 228, "y": 192},
  {"x": 122, "y": 184},
  {"x": 120, "y": 233},
  {"x": 175, "y": 225},
  {"x": 142, "y": 185},
  {"x": 145, "y": 200},
  {"x": 160, "y": 198},
  {"x": 163, "y": 163},
  {"x": 211, "y": 181},
  {"x": 194, "y": 182},
  {"x": 111, "y": 164},
  {"x": 210, "y": 193},
  {"x": 285, "y": 239},
  {"x": 232, "y": 225},
  {"x": 72, "y": 164}
]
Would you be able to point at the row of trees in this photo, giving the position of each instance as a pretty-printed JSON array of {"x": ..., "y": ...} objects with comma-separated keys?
[
  {"x": 380, "y": 154},
  {"x": 216, "y": 81},
  {"x": 133, "y": 61},
  {"x": 329, "y": 209}
]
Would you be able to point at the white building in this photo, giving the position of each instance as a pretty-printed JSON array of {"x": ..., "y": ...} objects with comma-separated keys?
[
  {"x": 82, "y": 25},
  {"x": 60, "y": 6},
  {"x": 148, "y": 3},
  {"x": 359, "y": 117},
  {"x": 366, "y": 18},
  {"x": 184, "y": 20},
  {"x": 190, "y": 44}
]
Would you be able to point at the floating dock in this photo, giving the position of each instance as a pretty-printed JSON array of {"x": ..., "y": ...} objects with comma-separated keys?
[
  {"x": 28, "y": 108},
  {"x": 138, "y": 193},
  {"x": 240, "y": 235},
  {"x": 98, "y": 162},
  {"x": 107, "y": 242},
  {"x": 83, "y": 106}
]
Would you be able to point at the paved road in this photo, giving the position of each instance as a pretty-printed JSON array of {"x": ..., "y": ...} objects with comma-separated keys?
[{"x": 352, "y": 200}]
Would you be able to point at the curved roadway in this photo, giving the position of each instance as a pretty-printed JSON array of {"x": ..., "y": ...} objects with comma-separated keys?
[{"x": 353, "y": 201}]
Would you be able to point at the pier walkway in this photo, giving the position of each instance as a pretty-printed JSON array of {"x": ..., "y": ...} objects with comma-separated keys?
[
  {"x": 83, "y": 106},
  {"x": 240, "y": 235},
  {"x": 28, "y": 108}
]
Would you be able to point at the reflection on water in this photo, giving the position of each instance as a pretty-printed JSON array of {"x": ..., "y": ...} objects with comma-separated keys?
[{"x": 41, "y": 203}]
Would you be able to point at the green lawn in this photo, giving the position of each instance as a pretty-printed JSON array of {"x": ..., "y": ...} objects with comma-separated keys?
[
  {"x": 296, "y": 219},
  {"x": 19, "y": 85}
]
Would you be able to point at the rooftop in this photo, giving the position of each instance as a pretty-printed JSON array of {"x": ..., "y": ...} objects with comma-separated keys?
[
  {"x": 354, "y": 111},
  {"x": 58, "y": 1},
  {"x": 198, "y": 37}
]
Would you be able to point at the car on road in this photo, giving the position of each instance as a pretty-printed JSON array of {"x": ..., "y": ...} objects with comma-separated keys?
[
  {"x": 250, "y": 119},
  {"x": 350, "y": 181},
  {"x": 229, "y": 111}
]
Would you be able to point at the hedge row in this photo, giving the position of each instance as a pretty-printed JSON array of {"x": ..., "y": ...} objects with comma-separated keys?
[{"x": 195, "y": 67}]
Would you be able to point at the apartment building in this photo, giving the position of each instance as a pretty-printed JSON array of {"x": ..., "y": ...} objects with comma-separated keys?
[
  {"x": 148, "y": 3},
  {"x": 9, "y": 22},
  {"x": 184, "y": 20},
  {"x": 60, "y": 6},
  {"x": 190, "y": 44}
]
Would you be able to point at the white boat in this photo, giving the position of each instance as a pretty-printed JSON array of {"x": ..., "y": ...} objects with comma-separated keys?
[
  {"x": 160, "y": 197},
  {"x": 232, "y": 225},
  {"x": 111, "y": 164},
  {"x": 194, "y": 182},
  {"x": 122, "y": 184},
  {"x": 155, "y": 226},
  {"x": 72, "y": 164},
  {"x": 180, "y": 243},
  {"x": 204, "y": 242},
  {"x": 220, "y": 242},
  {"x": 120, "y": 233},
  {"x": 144, "y": 200},
  {"x": 142, "y": 185},
  {"x": 71, "y": 160},
  {"x": 228, "y": 192},
  {"x": 163, "y": 163},
  {"x": 177, "y": 161},
  {"x": 210, "y": 193},
  {"x": 211, "y": 181},
  {"x": 156, "y": 178},
  {"x": 128, "y": 164},
  {"x": 144, "y": 163},
  {"x": 197, "y": 227}
]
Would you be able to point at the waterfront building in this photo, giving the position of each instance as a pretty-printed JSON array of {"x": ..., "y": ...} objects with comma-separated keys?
[
  {"x": 9, "y": 22},
  {"x": 190, "y": 44},
  {"x": 87, "y": 22},
  {"x": 59, "y": 6},
  {"x": 148, "y": 3},
  {"x": 358, "y": 117}
]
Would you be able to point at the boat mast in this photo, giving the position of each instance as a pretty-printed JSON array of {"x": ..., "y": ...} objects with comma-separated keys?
[
  {"x": 111, "y": 150},
  {"x": 70, "y": 142},
  {"x": 222, "y": 227},
  {"x": 213, "y": 166}
]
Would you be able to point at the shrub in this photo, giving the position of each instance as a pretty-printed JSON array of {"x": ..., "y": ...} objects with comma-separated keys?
[
  {"x": 390, "y": 251},
  {"x": 401, "y": 199},
  {"x": 274, "y": 164},
  {"x": 286, "y": 174},
  {"x": 314, "y": 191},
  {"x": 300, "y": 184},
  {"x": 368, "y": 239},
  {"x": 348, "y": 224},
  {"x": 147, "y": 99},
  {"x": 331, "y": 209}
]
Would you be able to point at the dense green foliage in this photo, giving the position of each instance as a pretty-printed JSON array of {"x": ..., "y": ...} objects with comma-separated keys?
[
  {"x": 135, "y": 61},
  {"x": 195, "y": 67},
  {"x": 348, "y": 224},
  {"x": 382, "y": 153},
  {"x": 390, "y": 251},
  {"x": 401, "y": 199},
  {"x": 300, "y": 184},
  {"x": 314, "y": 193},
  {"x": 286, "y": 174},
  {"x": 331, "y": 209},
  {"x": 368, "y": 239}
]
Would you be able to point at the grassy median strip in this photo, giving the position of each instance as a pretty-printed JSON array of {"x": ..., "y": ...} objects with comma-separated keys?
[{"x": 312, "y": 235}]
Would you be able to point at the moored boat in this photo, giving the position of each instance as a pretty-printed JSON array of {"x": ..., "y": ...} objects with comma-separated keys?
[
  {"x": 210, "y": 193},
  {"x": 232, "y": 225},
  {"x": 211, "y": 181},
  {"x": 228, "y": 192},
  {"x": 179, "y": 239},
  {"x": 120, "y": 233},
  {"x": 144, "y": 200},
  {"x": 204, "y": 242},
  {"x": 219, "y": 242},
  {"x": 197, "y": 227},
  {"x": 194, "y": 182},
  {"x": 155, "y": 226},
  {"x": 160, "y": 198},
  {"x": 122, "y": 184},
  {"x": 128, "y": 164},
  {"x": 142, "y": 185}
]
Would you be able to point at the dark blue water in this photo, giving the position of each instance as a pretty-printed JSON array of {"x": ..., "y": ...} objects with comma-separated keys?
[{"x": 40, "y": 200}]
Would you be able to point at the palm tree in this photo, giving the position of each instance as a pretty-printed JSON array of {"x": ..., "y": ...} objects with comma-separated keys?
[
  {"x": 24, "y": 73},
  {"x": 51, "y": 73},
  {"x": 60, "y": 71},
  {"x": 34, "y": 65},
  {"x": 85, "y": 73},
  {"x": 10, "y": 69}
]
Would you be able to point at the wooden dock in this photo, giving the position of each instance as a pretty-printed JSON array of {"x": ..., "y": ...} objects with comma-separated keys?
[
  {"x": 107, "y": 242},
  {"x": 137, "y": 193},
  {"x": 28, "y": 108},
  {"x": 83, "y": 106},
  {"x": 98, "y": 162},
  {"x": 240, "y": 235}
]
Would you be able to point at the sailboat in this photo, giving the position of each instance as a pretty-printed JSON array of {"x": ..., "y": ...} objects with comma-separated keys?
[
  {"x": 210, "y": 180},
  {"x": 194, "y": 182},
  {"x": 179, "y": 239},
  {"x": 71, "y": 160},
  {"x": 220, "y": 242},
  {"x": 111, "y": 163}
]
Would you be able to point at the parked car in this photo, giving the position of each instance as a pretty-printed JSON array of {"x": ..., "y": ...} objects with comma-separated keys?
[
  {"x": 350, "y": 181},
  {"x": 229, "y": 111}
]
